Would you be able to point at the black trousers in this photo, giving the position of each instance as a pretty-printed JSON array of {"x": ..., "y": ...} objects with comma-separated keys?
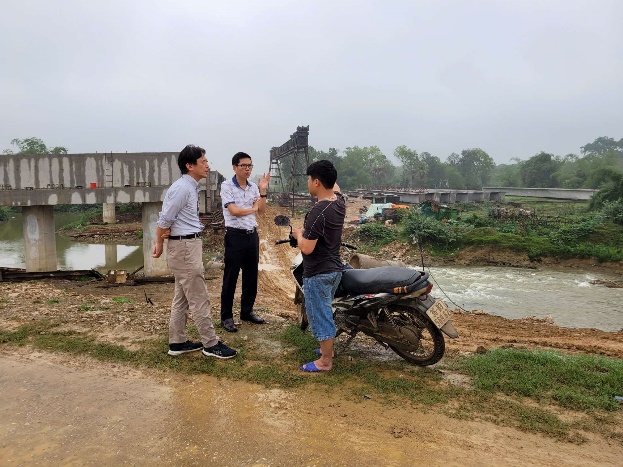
[{"x": 242, "y": 252}]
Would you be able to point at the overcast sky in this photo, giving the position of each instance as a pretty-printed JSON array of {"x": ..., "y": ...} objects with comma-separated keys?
[{"x": 512, "y": 77}]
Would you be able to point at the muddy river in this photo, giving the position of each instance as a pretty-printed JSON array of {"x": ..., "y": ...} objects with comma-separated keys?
[{"x": 568, "y": 297}]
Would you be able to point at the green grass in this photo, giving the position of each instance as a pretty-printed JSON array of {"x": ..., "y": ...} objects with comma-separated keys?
[
  {"x": 520, "y": 389},
  {"x": 121, "y": 300},
  {"x": 575, "y": 382},
  {"x": 83, "y": 221}
]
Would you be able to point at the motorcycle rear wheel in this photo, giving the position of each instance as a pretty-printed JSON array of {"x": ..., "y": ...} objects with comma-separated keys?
[{"x": 431, "y": 346}]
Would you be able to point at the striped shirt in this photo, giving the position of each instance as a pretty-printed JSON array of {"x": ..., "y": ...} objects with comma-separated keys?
[
  {"x": 233, "y": 193},
  {"x": 180, "y": 208}
]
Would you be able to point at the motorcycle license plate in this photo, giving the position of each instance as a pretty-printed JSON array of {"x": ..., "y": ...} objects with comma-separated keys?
[{"x": 439, "y": 313}]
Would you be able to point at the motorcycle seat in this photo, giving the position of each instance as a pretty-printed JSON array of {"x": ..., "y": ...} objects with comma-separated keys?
[{"x": 386, "y": 279}]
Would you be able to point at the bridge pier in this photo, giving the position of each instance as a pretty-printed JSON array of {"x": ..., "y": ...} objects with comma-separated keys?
[
  {"x": 108, "y": 213},
  {"x": 153, "y": 266},
  {"x": 110, "y": 255},
  {"x": 39, "y": 239}
]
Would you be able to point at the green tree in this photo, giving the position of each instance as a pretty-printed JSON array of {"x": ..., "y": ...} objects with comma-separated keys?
[
  {"x": 600, "y": 157},
  {"x": 364, "y": 166},
  {"x": 455, "y": 179},
  {"x": 612, "y": 189},
  {"x": 602, "y": 145},
  {"x": 539, "y": 170},
  {"x": 591, "y": 168},
  {"x": 332, "y": 155},
  {"x": 475, "y": 165},
  {"x": 566, "y": 176},
  {"x": 34, "y": 146},
  {"x": 436, "y": 171},
  {"x": 507, "y": 174},
  {"x": 414, "y": 170}
]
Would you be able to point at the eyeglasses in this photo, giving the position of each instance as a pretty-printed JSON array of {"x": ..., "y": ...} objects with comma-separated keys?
[{"x": 245, "y": 166}]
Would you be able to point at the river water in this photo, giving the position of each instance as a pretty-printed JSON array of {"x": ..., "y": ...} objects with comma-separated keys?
[
  {"x": 71, "y": 255},
  {"x": 568, "y": 297}
]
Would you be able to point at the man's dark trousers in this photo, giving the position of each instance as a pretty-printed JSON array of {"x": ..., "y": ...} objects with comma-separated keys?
[{"x": 242, "y": 251}]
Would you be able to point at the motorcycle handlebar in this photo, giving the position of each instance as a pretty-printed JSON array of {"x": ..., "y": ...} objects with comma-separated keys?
[{"x": 291, "y": 240}]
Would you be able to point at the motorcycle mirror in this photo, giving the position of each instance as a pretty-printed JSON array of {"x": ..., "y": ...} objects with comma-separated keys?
[{"x": 282, "y": 221}]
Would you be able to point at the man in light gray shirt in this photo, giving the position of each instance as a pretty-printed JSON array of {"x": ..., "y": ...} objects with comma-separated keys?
[{"x": 179, "y": 222}]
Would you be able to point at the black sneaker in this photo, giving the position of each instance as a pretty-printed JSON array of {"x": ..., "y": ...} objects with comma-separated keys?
[
  {"x": 188, "y": 346},
  {"x": 219, "y": 350}
]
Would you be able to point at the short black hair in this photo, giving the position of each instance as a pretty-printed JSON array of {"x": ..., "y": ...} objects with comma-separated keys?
[
  {"x": 189, "y": 155},
  {"x": 324, "y": 171},
  {"x": 239, "y": 155}
]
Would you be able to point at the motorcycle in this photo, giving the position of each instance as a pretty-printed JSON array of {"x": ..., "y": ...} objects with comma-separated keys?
[{"x": 391, "y": 304}]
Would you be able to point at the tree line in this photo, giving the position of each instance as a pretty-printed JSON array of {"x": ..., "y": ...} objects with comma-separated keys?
[
  {"x": 33, "y": 146},
  {"x": 599, "y": 166},
  {"x": 365, "y": 166}
]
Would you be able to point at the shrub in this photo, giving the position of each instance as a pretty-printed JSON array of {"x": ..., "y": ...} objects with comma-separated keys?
[
  {"x": 429, "y": 230},
  {"x": 377, "y": 234},
  {"x": 572, "y": 233},
  {"x": 4, "y": 214},
  {"x": 478, "y": 221},
  {"x": 84, "y": 220},
  {"x": 613, "y": 210}
]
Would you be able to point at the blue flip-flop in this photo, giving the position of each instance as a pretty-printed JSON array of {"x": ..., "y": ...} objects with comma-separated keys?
[{"x": 311, "y": 368}]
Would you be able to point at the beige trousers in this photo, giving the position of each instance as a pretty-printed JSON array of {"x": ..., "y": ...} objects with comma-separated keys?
[{"x": 191, "y": 292}]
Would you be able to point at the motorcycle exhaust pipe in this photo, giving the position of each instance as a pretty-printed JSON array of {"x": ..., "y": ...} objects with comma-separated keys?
[{"x": 449, "y": 330}]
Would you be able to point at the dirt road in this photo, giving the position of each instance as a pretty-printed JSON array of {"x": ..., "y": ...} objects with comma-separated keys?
[
  {"x": 60, "y": 410},
  {"x": 57, "y": 411}
]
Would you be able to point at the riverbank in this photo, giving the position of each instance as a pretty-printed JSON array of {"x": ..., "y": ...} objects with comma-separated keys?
[{"x": 494, "y": 256}]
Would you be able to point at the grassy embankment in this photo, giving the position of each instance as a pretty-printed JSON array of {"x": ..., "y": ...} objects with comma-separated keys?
[{"x": 552, "y": 229}]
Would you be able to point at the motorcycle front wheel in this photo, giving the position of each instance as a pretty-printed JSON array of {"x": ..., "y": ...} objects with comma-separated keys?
[{"x": 431, "y": 345}]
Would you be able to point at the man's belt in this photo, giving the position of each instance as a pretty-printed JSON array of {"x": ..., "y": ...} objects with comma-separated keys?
[
  {"x": 242, "y": 231},
  {"x": 185, "y": 237}
]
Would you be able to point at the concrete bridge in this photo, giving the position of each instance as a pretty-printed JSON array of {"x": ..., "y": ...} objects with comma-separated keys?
[
  {"x": 417, "y": 196},
  {"x": 38, "y": 182},
  {"x": 554, "y": 193},
  {"x": 446, "y": 196}
]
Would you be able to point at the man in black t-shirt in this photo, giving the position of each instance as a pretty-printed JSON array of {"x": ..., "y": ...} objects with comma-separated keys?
[{"x": 319, "y": 241}]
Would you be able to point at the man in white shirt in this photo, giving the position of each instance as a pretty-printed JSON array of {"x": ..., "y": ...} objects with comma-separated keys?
[{"x": 241, "y": 199}]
